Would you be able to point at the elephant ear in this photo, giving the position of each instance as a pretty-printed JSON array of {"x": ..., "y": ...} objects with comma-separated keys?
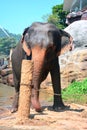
[
  {"x": 24, "y": 34},
  {"x": 64, "y": 40}
]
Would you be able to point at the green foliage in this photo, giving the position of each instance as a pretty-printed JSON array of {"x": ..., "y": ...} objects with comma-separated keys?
[
  {"x": 76, "y": 88},
  {"x": 53, "y": 19},
  {"x": 58, "y": 16},
  {"x": 77, "y": 92},
  {"x": 6, "y": 44}
]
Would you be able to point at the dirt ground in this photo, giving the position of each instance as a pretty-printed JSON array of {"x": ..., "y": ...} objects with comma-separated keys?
[{"x": 75, "y": 118}]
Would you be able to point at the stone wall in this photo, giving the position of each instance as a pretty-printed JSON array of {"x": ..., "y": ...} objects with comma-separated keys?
[{"x": 73, "y": 66}]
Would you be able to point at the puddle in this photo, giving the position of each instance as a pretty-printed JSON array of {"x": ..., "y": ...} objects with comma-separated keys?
[{"x": 7, "y": 93}]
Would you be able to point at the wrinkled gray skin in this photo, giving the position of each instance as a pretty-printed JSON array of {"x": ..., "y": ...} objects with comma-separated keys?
[{"x": 44, "y": 40}]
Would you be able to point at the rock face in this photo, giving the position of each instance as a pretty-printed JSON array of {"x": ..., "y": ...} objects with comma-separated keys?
[
  {"x": 73, "y": 66},
  {"x": 78, "y": 31}
]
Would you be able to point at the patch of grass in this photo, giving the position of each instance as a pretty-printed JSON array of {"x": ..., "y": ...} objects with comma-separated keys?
[{"x": 76, "y": 92}]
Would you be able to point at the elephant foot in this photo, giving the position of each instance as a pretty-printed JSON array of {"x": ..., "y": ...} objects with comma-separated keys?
[
  {"x": 13, "y": 110},
  {"x": 58, "y": 108},
  {"x": 15, "y": 103},
  {"x": 36, "y": 105}
]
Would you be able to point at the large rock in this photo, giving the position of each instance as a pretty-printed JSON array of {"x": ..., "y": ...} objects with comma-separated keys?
[
  {"x": 73, "y": 66},
  {"x": 78, "y": 31}
]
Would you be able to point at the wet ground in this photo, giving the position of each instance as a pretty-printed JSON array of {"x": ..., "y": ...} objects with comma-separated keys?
[
  {"x": 6, "y": 96},
  {"x": 7, "y": 93},
  {"x": 74, "y": 118}
]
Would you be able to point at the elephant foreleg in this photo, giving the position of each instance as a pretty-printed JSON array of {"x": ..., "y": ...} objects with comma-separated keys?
[{"x": 55, "y": 75}]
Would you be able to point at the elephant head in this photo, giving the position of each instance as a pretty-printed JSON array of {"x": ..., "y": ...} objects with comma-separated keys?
[{"x": 48, "y": 36}]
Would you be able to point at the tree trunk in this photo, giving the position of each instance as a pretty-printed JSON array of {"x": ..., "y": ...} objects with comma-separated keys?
[{"x": 25, "y": 91}]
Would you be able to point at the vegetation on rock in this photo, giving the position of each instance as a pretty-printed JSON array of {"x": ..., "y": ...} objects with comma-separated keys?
[{"x": 76, "y": 91}]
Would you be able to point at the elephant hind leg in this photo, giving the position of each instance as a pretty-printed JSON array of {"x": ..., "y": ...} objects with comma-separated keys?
[
  {"x": 16, "y": 96},
  {"x": 15, "y": 103}
]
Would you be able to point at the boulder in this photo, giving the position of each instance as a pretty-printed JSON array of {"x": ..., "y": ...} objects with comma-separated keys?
[{"x": 78, "y": 31}]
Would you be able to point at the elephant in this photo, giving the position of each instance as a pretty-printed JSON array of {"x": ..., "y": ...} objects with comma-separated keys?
[{"x": 43, "y": 45}]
